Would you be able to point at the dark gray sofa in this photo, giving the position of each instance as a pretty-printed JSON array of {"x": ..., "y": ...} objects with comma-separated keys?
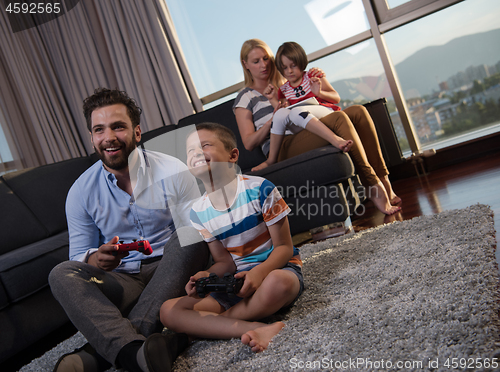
[
  {"x": 34, "y": 240},
  {"x": 320, "y": 186}
]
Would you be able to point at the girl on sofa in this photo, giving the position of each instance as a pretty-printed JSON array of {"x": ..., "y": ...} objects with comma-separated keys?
[
  {"x": 300, "y": 86},
  {"x": 254, "y": 114}
]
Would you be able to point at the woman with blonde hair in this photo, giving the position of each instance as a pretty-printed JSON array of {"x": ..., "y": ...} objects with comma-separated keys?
[{"x": 254, "y": 114}]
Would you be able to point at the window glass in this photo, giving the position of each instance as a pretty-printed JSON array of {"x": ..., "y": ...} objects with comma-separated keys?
[
  {"x": 5, "y": 154},
  {"x": 448, "y": 64},
  {"x": 211, "y": 32},
  {"x": 395, "y": 3},
  {"x": 358, "y": 76}
]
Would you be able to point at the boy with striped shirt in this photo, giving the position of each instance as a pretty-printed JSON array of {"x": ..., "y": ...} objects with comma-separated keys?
[{"x": 244, "y": 221}]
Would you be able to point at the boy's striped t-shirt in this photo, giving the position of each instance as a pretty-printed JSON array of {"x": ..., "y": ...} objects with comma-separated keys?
[{"x": 242, "y": 228}]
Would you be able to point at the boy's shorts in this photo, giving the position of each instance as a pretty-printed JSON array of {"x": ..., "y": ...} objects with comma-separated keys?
[{"x": 227, "y": 301}]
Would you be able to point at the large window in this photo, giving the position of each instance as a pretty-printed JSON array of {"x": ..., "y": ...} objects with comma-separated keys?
[
  {"x": 448, "y": 64},
  {"x": 441, "y": 57},
  {"x": 211, "y": 32}
]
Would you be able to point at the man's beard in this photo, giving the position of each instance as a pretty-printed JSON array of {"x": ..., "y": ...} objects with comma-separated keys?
[{"x": 119, "y": 162}]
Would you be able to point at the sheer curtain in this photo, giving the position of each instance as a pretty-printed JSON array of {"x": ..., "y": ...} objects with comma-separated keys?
[{"x": 47, "y": 71}]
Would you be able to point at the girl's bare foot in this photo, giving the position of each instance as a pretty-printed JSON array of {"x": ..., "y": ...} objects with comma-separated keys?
[
  {"x": 261, "y": 166},
  {"x": 260, "y": 337},
  {"x": 378, "y": 196},
  {"x": 393, "y": 198},
  {"x": 342, "y": 144},
  {"x": 346, "y": 146}
]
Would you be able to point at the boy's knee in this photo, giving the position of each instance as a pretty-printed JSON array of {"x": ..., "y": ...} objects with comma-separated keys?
[
  {"x": 166, "y": 311},
  {"x": 281, "y": 282}
]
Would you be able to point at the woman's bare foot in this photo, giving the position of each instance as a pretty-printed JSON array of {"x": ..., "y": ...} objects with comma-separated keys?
[
  {"x": 261, "y": 166},
  {"x": 259, "y": 338},
  {"x": 378, "y": 196},
  {"x": 393, "y": 198}
]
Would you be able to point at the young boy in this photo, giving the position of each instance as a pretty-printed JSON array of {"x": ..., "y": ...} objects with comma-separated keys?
[
  {"x": 291, "y": 62},
  {"x": 244, "y": 221}
]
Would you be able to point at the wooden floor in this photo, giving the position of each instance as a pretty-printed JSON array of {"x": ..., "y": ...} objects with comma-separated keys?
[{"x": 453, "y": 187}]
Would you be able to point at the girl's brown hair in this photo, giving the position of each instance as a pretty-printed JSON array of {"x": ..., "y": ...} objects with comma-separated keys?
[{"x": 294, "y": 52}]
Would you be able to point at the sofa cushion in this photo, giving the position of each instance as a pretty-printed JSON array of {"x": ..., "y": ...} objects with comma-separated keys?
[
  {"x": 19, "y": 225},
  {"x": 4, "y": 300},
  {"x": 223, "y": 114},
  {"x": 44, "y": 189},
  {"x": 26, "y": 270},
  {"x": 312, "y": 170}
]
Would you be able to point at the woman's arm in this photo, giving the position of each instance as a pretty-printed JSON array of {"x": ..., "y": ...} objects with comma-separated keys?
[{"x": 251, "y": 138}]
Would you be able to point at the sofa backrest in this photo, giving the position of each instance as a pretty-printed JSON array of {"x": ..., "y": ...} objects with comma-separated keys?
[
  {"x": 223, "y": 114},
  {"x": 33, "y": 201}
]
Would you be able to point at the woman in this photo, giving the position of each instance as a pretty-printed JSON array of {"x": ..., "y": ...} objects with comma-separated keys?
[{"x": 254, "y": 115}]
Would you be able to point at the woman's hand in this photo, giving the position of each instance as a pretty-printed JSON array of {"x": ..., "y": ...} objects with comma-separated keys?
[{"x": 316, "y": 72}]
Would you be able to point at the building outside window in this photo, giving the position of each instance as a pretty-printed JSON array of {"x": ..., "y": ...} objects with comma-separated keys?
[{"x": 444, "y": 54}]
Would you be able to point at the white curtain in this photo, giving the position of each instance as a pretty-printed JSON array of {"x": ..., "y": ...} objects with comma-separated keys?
[{"x": 47, "y": 71}]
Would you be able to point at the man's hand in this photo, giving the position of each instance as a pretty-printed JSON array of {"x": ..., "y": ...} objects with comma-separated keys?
[{"x": 104, "y": 258}]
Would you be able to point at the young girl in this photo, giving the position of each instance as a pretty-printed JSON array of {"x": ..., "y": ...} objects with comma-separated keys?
[{"x": 291, "y": 61}]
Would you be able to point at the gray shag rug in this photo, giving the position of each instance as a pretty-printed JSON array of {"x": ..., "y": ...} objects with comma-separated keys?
[{"x": 416, "y": 295}]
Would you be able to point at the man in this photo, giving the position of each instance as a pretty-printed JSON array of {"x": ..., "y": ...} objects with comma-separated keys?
[{"x": 113, "y": 298}]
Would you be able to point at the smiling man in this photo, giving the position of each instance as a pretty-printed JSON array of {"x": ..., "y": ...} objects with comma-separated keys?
[{"x": 113, "y": 298}]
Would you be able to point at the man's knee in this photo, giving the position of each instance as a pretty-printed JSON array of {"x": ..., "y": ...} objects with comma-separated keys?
[{"x": 59, "y": 274}]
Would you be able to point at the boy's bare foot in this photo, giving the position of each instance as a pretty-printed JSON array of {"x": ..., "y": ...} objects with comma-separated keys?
[
  {"x": 393, "y": 198},
  {"x": 260, "y": 337},
  {"x": 378, "y": 196},
  {"x": 261, "y": 166}
]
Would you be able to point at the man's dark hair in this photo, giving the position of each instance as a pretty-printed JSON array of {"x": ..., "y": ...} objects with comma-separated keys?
[
  {"x": 106, "y": 97},
  {"x": 224, "y": 134}
]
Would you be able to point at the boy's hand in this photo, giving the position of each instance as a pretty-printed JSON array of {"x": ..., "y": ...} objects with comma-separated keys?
[
  {"x": 191, "y": 285},
  {"x": 252, "y": 281},
  {"x": 106, "y": 258}
]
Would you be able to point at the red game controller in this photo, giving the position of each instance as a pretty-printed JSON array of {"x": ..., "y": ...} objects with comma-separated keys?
[{"x": 142, "y": 246}]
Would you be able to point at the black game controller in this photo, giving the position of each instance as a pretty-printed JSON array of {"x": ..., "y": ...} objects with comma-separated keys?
[{"x": 228, "y": 283}]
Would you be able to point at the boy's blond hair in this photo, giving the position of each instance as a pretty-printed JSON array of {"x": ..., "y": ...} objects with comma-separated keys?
[{"x": 294, "y": 52}]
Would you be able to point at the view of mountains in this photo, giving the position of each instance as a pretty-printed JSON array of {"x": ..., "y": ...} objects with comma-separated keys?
[{"x": 424, "y": 69}]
